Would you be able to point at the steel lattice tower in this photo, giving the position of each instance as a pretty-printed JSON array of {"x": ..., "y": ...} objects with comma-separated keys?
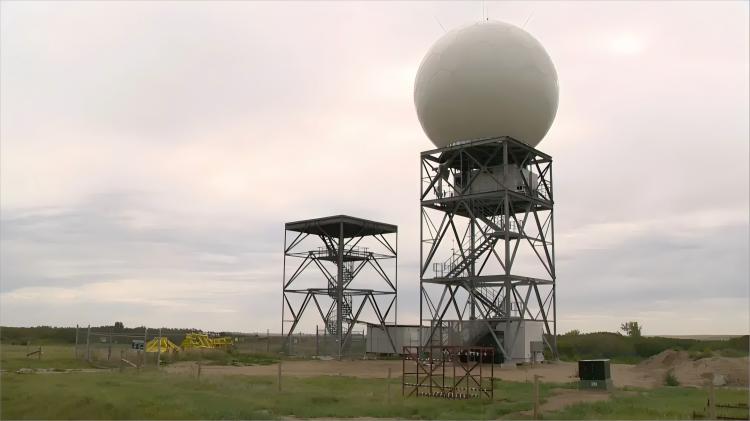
[
  {"x": 335, "y": 247},
  {"x": 493, "y": 199}
]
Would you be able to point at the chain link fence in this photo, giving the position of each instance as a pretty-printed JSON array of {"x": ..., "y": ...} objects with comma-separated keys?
[{"x": 112, "y": 347}]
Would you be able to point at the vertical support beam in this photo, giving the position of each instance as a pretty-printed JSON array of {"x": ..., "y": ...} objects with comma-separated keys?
[
  {"x": 283, "y": 294},
  {"x": 109, "y": 348},
  {"x": 395, "y": 309},
  {"x": 472, "y": 282},
  {"x": 340, "y": 290},
  {"x": 88, "y": 344},
  {"x": 422, "y": 292},
  {"x": 506, "y": 242},
  {"x": 554, "y": 271}
]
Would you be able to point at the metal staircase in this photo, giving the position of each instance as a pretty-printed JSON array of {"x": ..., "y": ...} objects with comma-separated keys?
[
  {"x": 346, "y": 302},
  {"x": 472, "y": 256},
  {"x": 458, "y": 264}
]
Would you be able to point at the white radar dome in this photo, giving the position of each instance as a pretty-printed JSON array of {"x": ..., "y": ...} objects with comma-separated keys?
[{"x": 487, "y": 79}]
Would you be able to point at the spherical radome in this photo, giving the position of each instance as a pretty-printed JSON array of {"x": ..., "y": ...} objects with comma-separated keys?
[{"x": 487, "y": 79}]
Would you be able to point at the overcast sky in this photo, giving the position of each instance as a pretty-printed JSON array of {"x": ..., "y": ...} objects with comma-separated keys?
[{"x": 151, "y": 152}]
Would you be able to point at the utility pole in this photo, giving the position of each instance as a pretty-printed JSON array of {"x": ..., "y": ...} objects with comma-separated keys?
[{"x": 88, "y": 344}]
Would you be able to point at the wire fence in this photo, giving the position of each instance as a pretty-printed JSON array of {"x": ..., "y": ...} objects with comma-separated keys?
[{"x": 112, "y": 347}]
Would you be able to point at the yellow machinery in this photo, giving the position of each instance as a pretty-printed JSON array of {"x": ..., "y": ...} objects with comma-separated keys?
[
  {"x": 163, "y": 345},
  {"x": 201, "y": 340},
  {"x": 223, "y": 342}
]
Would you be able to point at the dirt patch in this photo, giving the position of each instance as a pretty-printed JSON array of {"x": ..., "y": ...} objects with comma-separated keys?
[
  {"x": 356, "y": 368},
  {"x": 562, "y": 398},
  {"x": 562, "y": 372},
  {"x": 694, "y": 373},
  {"x": 648, "y": 374}
]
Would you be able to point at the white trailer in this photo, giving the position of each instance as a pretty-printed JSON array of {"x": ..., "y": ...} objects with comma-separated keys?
[{"x": 402, "y": 335}]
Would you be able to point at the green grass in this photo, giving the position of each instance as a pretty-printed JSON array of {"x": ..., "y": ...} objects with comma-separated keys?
[
  {"x": 154, "y": 395},
  {"x": 151, "y": 394},
  {"x": 13, "y": 357},
  {"x": 661, "y": 403}
]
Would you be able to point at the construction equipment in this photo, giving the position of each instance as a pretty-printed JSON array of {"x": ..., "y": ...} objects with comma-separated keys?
[
  {"x": 161, "y": 345},
  {"x": 223, "y": 342},
  {"x": 201, "y": 340}
]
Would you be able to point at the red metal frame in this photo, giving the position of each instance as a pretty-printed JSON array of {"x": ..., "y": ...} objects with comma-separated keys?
[{"x": 452, "y": 372}]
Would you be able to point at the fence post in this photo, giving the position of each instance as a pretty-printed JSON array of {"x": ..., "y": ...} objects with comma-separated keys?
[
  {"x": 268, "y": 340},
  {"x": 388, "y": 389},
  {"x": 158, "y": 352},
  {"x": 279, "y": 376},
  {"x": 75, "y": 351},
  {"x": 536, "y": 396},
  {"x": 88, "y": 344},
  {"x": 39, "y": 355},
  {"x": 317, "y": 341},
  {"x": 711, "y": 398},
  {"x": 122, "y": 357},
  {"x": 109, "y": 348}
]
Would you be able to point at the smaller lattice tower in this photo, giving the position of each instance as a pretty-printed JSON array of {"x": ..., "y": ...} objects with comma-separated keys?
[{"x": 356, "y": 277}]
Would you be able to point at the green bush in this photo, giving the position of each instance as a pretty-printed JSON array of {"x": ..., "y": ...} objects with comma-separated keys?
[
  {"x": 670, "y": 379},
  {"x": 697, "y": 355},
  {"x": 626, "y": 349}
]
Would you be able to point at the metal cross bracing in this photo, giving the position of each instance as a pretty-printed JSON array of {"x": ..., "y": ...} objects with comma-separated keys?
[
  {"x": 453, "y": 372},
  {"x": 331, "y": 251},
  {"x": 487, "y": 243}
]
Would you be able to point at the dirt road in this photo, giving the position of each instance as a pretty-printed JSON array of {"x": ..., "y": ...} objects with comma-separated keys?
[{"x": 562, "y": 372}]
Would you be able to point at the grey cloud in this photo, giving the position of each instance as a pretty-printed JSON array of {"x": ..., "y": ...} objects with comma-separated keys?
[{"x": 169, "y": 142}]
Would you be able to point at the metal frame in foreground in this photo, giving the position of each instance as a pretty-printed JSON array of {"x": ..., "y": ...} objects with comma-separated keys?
[{"x": 452, "y": 372}]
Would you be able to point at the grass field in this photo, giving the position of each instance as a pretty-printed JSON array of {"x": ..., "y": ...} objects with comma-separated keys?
[
  {"x": 153, "y": 394},
  {"x": 661, "y": 403},
  {"x": 13, "y": 357}
]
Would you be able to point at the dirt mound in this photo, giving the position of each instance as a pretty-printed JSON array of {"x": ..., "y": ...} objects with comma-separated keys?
[
  {"x": 688, "y": 372},
  {"x": 734, "y": 370},
  {"x": 664, "y": 360}
]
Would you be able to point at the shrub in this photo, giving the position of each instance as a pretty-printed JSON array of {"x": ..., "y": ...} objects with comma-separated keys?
[
  {"x": 670, "y": 379},
  {"x": 697, "y": 355}
]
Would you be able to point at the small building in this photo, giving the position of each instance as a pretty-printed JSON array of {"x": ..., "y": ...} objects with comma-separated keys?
[
  {"x": 594, "y": 374},
  {"x": 402, "y": 335},
  {"x": 528, "y": 347}
]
